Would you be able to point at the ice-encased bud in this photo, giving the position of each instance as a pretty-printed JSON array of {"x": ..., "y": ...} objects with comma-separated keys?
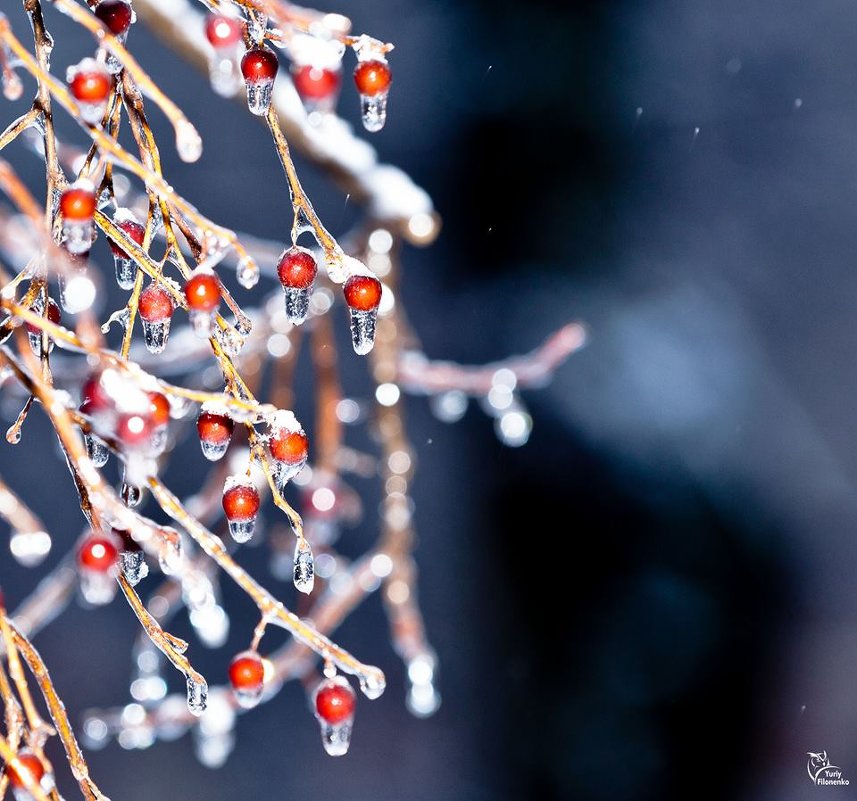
[
  {"x": 363, "y": 325},
  {"x": 334, "y": 703},
  {"x": 304, "y": 567},
  {"x": 133, "y": 566}
]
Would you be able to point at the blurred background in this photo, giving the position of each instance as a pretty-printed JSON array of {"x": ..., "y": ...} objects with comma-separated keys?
[{"x": 655, "y": 594}]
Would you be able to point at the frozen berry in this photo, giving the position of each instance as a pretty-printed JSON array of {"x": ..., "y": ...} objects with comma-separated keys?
[
  {"x": 203, "y": 291},
  {"x": 116, "y": 15},
  {"x": 334, "y": 702},
  {"x": 77, "y": 203},
  {"x": 156, "y": 304},
  {"x": 297, "y": 268},
  {"x": 222, "y": 31},
  {"x": 98, "y": 554},
  {"x": 362, "y": 292},
  {"x": 372, "y": 77},
  {"x": 259, "y": 64}
]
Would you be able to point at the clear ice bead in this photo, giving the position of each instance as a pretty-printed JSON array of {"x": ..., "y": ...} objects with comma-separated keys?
[
  {"x": 96, "y": 450},
  {"x": 246, "y": 698},
  {"x": 363, "y": 330},
  {"x": 131, "y": 495},
  {"x": 188, "y": 142},
  {"x": 247, "y": 273},
  {"x": 126, "y": 271},
  {"x": 36, "y": 343},
  {"x": 113, "y": 64},
  {"x": 259, "y": 96},
  {"x": 197, "y": 695},
  {"x": 202, "y": 323},
  {"x": 304, "y": 568},
  {"x": 213, "y": 451},
  {"x": 297, "y": 304},
  {"x": 223, "y": 73},
  {"x": 283, "y": 473},
  {"x": 155, "y": 334},
  {"x": 77, "y": 235},
  {"x": 242, "y": 530},
  {"x": 373, "y": 686},
  {"x": 133, "y": 566},
  {"x": 373, "y": 110},
  {"x": 92, "y": 113},
  {"x": 97, "y": 587},
  {"x": 336, "y": 738}
]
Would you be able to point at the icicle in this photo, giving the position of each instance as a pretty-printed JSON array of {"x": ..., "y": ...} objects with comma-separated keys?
[
  {"x": 373, "y": 111},
  {"x": 126, "y": 271},
  {"x": 197, "y": 695},
  {"x": 259, "y": 96},
  {"x": 363, "y": 330},
  {"x": 373, "y": 685},
  {"x": 96, "y": 449},
  {"x": 156, "y": 334},
  {"x": 297, "y": 304},
  {"x": 202, "y": 323},
  {"x": 304, "y": 567},
  {"x": 248, "y": 273},
  {"x": 97, "y": 587}
]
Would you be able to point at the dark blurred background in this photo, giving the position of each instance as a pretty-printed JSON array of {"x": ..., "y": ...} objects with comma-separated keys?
[{"x": 654, "y": 597}]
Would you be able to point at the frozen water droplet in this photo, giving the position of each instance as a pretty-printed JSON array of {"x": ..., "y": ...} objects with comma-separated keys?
[
  {"x": 197, "y": 695},
  {"x": 283, "y": 473},
  {"x": 170, "y": 557},
  {"x": 259, "y": 96},
  {"x": 122, "y": 316},
  {"x": 126, "y": 271},
  {"x": 92, "y": 113},
  {"x": 337, "y": 738},
  {"x": 97, "y": 587},
  {"x": 159, "y": 438},
  {"x": 96, "y": 450},
  {"x": 77, "y": 235},
  {"x": 304, "y": 572},
  {"x": 29, "y": 547},
  {"x": 131, "y": 495},
  {"x": 213, "y": 450},
  {"x": 243, "y": 326},
  {"x": 36, "y": 343},
  {"x": 242, "y": 530},
  {"x": 155, "y": 334},
  {"x": 297, "y": 304},
  {"x": 223, "y": 72},
  {"x": 248, "y": 273},
  {"x": 202, "y": 323},
  {"x": 363, "y": 330},
  {"x": 231, "y": 341},
  {"x": 113, "y": 64},
  {"x": 248, "y": 698},
  {"x": 373, "y": 110},
  {"x": 372, "y": 685},
  {"x": 188, "y": 142},
  {"x": 133, "y": 565},
  {"x": 13, "y": 434}
]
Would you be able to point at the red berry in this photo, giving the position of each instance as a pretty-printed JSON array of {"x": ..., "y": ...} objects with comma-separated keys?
[
  {"x": 297, "y": 268},
  {"x": 241, "y": 502},
  {"x": 159, "y": 408},
  {"x": 335, "y": 703},
  {"x": 156, "y": 304},
  {"x": 136, "y": 233},
  {"x": 372, "y": 77},
  {"x": 77, "y": 203},
  {"x": 26, "y": 764},
  {"x": 362, "y": 292},
  {"x": 247, "y": 671},
  {"x": 203, "y": 292},
  {"x": 94, "y": 395},
  {"x": 98, "y": 554},
  {"x": 290, "y": 447},
  {"x": 91, "y": 86},
  {"x": 134, "y": 429},
  {"x": 222, "y": 31},
  {"x": 115, "y": 14},
  {"x": 53, "y": 315},
  {"x": 259, "y": 64},
  {"x": 215, "y": 428},
  {"x": 315, "y": 83}
]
